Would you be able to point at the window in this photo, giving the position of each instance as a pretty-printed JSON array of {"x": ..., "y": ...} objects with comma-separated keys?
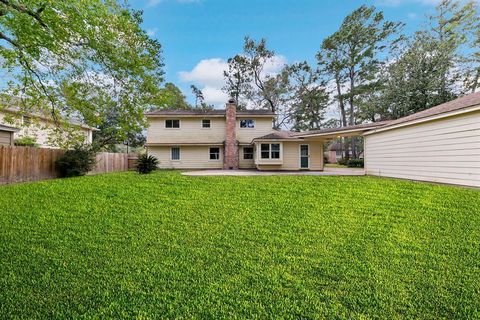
[
  {"x": 26, "y": 120},
  {"x": 265, "y": 150},
  {"x": 176, "y": 153},
  {"x": 270, "y": 150},
  {"x": 214, "y": 153},
  {"x": 172, "y": 124},
  {"x": 247, "y": 123},
  {"x": 247, "y": 153},
  {"x": 206, "y": 123},
  {"x": 275, "y": 151}
]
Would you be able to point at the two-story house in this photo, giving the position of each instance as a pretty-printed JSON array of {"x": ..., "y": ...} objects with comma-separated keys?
[{"x": 227, "y": 139}]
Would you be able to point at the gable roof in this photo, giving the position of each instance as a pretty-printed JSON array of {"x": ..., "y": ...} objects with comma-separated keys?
[
  {"x": 214, "y": 112},
  {"x": 461, "y": 103}
]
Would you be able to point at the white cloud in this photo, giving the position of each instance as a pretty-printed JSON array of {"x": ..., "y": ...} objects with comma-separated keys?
[
  {"x": 153, "y": 3},
  {"x": 208, "y": 72},
  {"x": 152, "y": 32},
  {"x": 208, "y": 75}
]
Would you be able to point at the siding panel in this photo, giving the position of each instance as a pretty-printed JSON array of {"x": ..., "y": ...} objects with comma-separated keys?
[
  {"x": 191, "y": 157},
  {"x": 446, "y": 150}
]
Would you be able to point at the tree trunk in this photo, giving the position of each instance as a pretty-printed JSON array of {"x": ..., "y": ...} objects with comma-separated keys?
[
  {"x": 341, "y": 104},
  {"x": 352, "y": 114}
]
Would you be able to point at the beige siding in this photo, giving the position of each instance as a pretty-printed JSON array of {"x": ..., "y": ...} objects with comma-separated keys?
[
  {"x": 5, "y": 138},
  {"x": 190, "y": 131},
  {"x": 291, "y": 156},
  {"x": 446, "y": 151},
  {"x": 191, "y": 157},
  {"x": 263, "y": 126},
  {"x": 42, "y": 130},
  {"x": 246, "y": 163}
]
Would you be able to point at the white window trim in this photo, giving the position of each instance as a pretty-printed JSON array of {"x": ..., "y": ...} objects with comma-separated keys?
[
  {"x": 179, "y": 154},
  {"x": 179, "y": 124},
  {"x": 247, "y": 128},
  {"x": 201, "y": 124},
  {"x": 268, "y": 160},
  {"x": 219, "y": 154}
]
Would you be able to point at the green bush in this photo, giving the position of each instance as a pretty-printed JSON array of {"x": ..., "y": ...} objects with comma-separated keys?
[
  {"x": 342, "y": 161},
  {"x": 355, "y": 163},
  {"x": 77, "y": 161},
  {"x": 26, "y": 142},
  {"x": 146, "y": 164}
]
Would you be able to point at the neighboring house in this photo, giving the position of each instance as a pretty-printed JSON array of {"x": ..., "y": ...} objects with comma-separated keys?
[
  {"x": 228, "y": 139},
  {"x": 6, "y": 135},
  {"x": 336, "y": 152},
  {"x": 40, "y": 127}
]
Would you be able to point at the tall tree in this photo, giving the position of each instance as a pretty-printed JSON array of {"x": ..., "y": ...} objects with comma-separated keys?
[
  {"x": 429, "y": 69},
  {"x": 250, "y": 84},
  {"x": 73, "y": 58},
  {"x": 452, "y": 27},
  {"x": 354, "y": 55},
  {"x": 199, "y": 98},
  {"x": 309, "y": 97}
]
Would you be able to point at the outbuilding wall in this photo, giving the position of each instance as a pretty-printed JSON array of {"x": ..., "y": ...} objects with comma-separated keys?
[{"x": 445, "y": 150}]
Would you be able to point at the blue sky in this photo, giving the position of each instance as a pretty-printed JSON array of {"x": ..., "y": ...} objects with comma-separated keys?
[{"x": 199, "y": 35}]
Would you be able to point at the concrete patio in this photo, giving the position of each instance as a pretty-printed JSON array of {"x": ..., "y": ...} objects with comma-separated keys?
[{"x": 253, "y": 172}]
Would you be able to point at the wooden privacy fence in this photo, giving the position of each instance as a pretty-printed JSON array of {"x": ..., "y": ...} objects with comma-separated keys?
[{"x": 20, "y": 164}]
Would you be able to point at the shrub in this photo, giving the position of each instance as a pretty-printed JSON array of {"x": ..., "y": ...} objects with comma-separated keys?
[
  {"x": 26, "y": 142},
  {"x": 146, "y": 164},
  {"x": 342, "y": 161},
  {"x": 355, "y": 163},
  {"x": 77, "y": 161}
]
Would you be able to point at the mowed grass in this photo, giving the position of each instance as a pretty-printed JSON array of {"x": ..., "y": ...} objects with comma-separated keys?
[{"x": 170, "y": 246}]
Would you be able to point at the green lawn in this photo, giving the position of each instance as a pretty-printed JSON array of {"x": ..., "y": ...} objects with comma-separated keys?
[{"x": 165, "y": 245}]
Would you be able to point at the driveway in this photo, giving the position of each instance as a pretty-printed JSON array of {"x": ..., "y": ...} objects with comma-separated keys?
[{"x": 253, "y": 172}]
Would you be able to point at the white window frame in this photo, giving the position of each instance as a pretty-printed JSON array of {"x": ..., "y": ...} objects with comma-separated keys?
[
  {"x": 179, "y": 124},
  {"x": 210, "y": 153},
  {"x": 260, "y": 158},
  {"x": 253, "y": 153},
  {"x": 209, "y": 124},
  {"x": 179, "y": 154},
  {"x": 240, "y": 123}
]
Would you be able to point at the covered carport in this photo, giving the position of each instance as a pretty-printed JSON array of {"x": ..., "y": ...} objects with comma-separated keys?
[{"x": 327, "y": 135}]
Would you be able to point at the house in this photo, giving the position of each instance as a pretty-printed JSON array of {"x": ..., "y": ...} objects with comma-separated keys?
[
  {"x": 6, "y": 135},
  {"x": 41, "y": 128},
  {"x": 228, "y": 139},
  {"x": 441, "y": 144}
]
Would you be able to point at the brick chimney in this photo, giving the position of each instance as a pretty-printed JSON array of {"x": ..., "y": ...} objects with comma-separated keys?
[{"x": 230, "y": 153}]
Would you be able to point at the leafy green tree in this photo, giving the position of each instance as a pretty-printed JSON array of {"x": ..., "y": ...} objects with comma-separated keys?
[
  {"x": 79, "y": 59},
  {"x": 309, "y": 97},
  {"x": 352, "y": 55},
  {"x": 248, "y": 82},
  {"x": 171, "y": 97},
  {"x": 429, "y": 69}
]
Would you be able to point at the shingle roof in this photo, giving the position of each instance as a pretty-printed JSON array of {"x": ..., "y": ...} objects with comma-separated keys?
[
  {"x": 200, "y": 112},
  {"x": 8, "y": 128},
  {"x": 463, "y": 102},
  {"x": 331, "y": 130},
  {"x": 283, "y": 134}
]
